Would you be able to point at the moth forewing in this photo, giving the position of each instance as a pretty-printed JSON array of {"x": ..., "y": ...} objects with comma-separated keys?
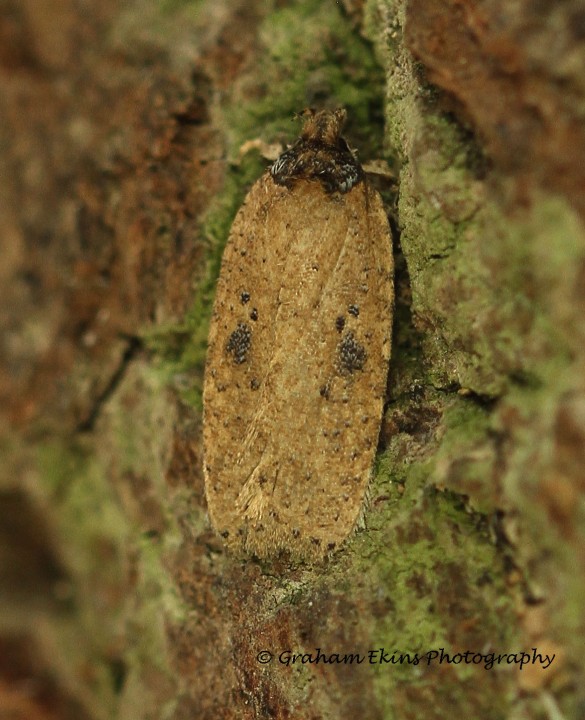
[{"x": 298, "y": 354}]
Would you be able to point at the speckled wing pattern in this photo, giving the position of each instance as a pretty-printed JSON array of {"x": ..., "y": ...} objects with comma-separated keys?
[{"x": 296, "y": 369}]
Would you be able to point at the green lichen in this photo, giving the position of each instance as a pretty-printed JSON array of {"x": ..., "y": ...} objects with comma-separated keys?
[
  {"x": 493, "y": 300},
  {"x": 310, "y": 57},
  {"x": 73, "y": 482},
  {"x": 108, "y": 547},
  {"x": 472, "y": 267},
  {"x": 432, "y": 565},
  {"x": 91, "y": 533}
]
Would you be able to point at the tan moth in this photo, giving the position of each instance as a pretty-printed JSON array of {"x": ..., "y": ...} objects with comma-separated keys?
[{"x": 298, "y": 352}]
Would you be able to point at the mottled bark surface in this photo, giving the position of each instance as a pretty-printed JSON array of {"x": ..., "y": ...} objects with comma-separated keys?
[{"x": 120, "y": 129}]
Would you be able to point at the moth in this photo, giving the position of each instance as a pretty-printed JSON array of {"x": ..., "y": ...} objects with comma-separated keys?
[{"x": 298, "y": 352}]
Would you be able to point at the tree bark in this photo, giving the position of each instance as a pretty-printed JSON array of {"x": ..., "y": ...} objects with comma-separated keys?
[{"x": 121, "y": 127}]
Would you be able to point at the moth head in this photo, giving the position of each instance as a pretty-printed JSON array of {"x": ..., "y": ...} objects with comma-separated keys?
[
  {"x": 323, "y": 126},
  {"x": 320, "y": 154}
]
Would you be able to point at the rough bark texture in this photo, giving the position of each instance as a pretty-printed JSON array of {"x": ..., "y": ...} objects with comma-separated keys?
[{"x": 120, "y": 130}]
